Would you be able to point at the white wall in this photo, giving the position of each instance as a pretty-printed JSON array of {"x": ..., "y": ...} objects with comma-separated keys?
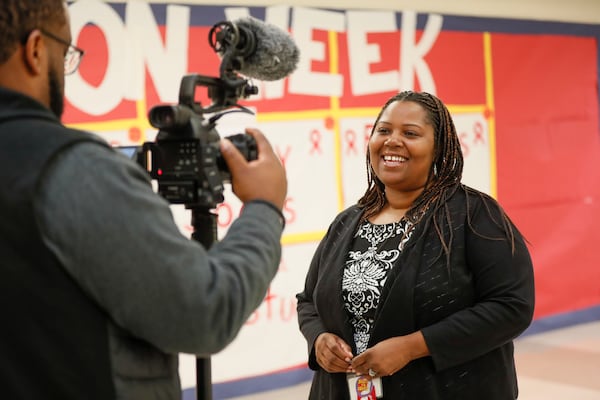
[{"x": 581, "y": 11}]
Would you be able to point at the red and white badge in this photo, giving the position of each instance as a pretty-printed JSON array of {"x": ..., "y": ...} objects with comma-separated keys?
[{"x": 363, "y": 388}]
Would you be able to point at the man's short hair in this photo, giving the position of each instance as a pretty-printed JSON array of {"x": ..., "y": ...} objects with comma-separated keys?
[{"x": 19, "y": 17}]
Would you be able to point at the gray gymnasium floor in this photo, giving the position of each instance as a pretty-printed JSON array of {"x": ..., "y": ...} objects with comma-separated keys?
[{"x": 558, "y": 364}]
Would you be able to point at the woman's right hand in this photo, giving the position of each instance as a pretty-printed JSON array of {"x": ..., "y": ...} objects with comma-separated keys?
[{"x": 332, "y": 353}]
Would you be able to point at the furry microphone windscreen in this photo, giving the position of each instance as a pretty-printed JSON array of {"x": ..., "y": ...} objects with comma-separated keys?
[{"x": 275, "y": 55}]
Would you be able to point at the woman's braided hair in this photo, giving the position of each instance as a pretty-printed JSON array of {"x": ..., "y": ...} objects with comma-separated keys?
[{"x": 444, "y": 176}]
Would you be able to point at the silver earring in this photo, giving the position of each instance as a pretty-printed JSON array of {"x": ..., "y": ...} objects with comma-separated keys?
[{"x": 434, "y": 170}]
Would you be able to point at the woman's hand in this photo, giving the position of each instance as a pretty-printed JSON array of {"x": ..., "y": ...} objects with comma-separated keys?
[
  {"x": 391, "y": 355},
  {"x": 332, "y": 353}
]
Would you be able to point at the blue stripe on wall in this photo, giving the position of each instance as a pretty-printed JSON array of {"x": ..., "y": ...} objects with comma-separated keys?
[{"x": 563, "y": 320}]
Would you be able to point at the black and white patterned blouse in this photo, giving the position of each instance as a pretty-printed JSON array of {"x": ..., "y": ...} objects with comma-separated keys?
[{"x": 374, "y": 253}]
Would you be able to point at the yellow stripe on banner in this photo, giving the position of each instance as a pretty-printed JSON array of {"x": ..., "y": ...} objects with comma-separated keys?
[
  {"x": 335, "y": 117},
  {"x": 467, "y": 109},
  {"x": 352, "y": 112},
  {"x": 142, "y": 118},
  {"x": 287, "y": 115},
  {"x": 319, "y": 114},
  {"x": 113, "y": 125},
  {"x": 491, "y": 111},
  {"x": 299, "y": 238}
]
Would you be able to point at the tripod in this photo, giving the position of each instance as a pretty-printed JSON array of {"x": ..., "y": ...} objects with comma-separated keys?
[{"x": 204, "y": 223}]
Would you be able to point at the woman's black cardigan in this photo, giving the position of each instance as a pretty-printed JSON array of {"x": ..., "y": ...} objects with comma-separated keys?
[{"x": 469, "y": 310}]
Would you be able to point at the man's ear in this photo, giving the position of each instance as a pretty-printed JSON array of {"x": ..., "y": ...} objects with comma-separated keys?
[{"x": 35, "y": 53}]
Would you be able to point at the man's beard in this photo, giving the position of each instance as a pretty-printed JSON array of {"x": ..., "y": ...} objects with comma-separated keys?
[{"x": 56, "y": 93}]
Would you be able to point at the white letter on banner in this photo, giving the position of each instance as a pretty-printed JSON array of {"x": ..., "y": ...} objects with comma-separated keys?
[
  {"x": 110, "y": 92},
  {"x": 362, "y": 54},
  {"x": 412, "y": 53},
  {"x": 303, "y": 80},
  {"x": 166, "y": 63}
]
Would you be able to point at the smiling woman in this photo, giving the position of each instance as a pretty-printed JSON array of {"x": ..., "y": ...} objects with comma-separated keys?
[
  {"x": 401, "y": 153},
  {"x": 419, "y": 128},
  {"x": 436, "y": 280}
]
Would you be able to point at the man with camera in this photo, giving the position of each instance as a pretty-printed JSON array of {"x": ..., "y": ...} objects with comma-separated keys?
[{"x": 99, "y": 289}]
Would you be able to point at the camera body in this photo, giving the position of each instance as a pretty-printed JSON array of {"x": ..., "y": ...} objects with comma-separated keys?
[
  {"x": 185, "y": 158},
  {"x": 190, "y": 170}
]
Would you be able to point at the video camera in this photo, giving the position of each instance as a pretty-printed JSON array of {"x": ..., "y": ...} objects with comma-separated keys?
[{"x": 185, "y": 159}]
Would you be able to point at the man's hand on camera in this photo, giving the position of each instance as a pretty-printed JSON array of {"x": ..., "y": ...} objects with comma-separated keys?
[{"x": 260, "y": 179}]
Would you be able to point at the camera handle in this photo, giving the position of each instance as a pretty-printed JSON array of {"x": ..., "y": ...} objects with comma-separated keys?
[{"x": 204, "y": 223}]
